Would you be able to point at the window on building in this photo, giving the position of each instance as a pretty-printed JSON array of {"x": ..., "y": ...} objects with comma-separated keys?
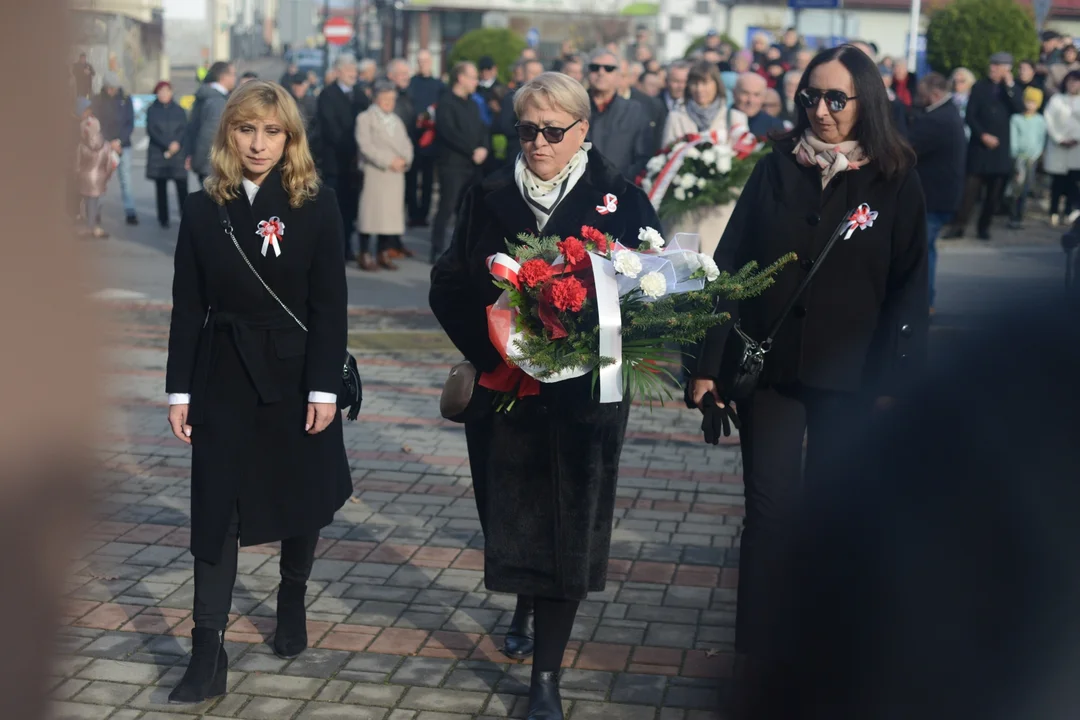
[
  {"x": 676, "y": 23},
  {"x": 703, "y": 7}
]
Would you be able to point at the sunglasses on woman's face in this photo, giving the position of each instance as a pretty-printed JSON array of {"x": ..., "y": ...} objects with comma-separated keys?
[
  {"x": 527, "y": 132},
  {"x": 597, "y": 67},
  {"x": 835, "y": 100}
]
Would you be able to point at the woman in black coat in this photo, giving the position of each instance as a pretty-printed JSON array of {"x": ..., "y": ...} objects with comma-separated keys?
[
  {"x": 544, "y": 474},
  {"x": 166, "y": 123},
  {"x": 853, "y": 339},
  {"x": 249, "y": 389}
]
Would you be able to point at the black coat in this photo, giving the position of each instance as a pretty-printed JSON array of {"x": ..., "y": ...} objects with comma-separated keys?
[
  {"x": 623, "y": 135},
  {"x": 989, "y": 111},
  {"x": 423, "y": 92},
  {"x": 459, "y": 130},
  {"x": 505, "y": 124},
  {"x": 657, "y": 111},
  {"x": 116, "y": 115},
  {"x": 165, "y": 124},
  {"x": 337, "y": 130},
  {"x": 545, "y": 473},
  {"x": 249, "y": 368},
  {"x": 862, "y": 325},
  {"x": 939, "y": 141}
]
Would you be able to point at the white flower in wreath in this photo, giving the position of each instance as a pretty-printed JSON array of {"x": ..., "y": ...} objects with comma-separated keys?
[
  {"x": 627, "y": 263},
  {"x": 688, "y": 180},
  {"x": 678, "y": 146},
  {"x": 709, "y": 266},
  {"x": 701, "y": 183},
  {"x": 723, "y": 163},
  {"x": 693, "y": 154},
  {"x": 709, "y": 157},
  {"x": 650, "y": 238},
  {"x": 646, "y": 185},
  {"x": 654, "y": 285},
  {"x": 656, "y": 164},
  {"x": 680, "y": 194}
]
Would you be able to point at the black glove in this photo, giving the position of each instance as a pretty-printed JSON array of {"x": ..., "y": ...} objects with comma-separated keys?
[{"x": 716, "y": 419}]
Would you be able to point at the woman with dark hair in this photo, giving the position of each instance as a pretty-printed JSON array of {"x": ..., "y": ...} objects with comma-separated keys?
[
  {"x": 706, "y": 107},
  {"x": 852, "y": 339}
]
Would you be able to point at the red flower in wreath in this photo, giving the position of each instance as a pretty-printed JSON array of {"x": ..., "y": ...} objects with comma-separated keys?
[
  {"x": 535, "y": 272},
  {"x": 568, "y": 294},
  {"x": 573, "y": 251},
  {"x": 593, "y": 235}
]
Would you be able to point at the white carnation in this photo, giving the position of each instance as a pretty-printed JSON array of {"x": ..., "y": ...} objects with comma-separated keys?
[
  {"x": 693, "y": 154},
  {"x": 646, "y": 185},
  {"x": 655, "y": 163},
  {"x": 723, "y": 164},
  {"x": 701, "y": 183},
  {"x": 654, "y": 285},
  {"x": 709, "y": 266},
  {"x": 650, "y": 238},
  {"x": 627, "y": 263},
  {"x": 709, "y": 157},
  {"x": 680, "y": 194},
  {"x": 688, "y": 180}
]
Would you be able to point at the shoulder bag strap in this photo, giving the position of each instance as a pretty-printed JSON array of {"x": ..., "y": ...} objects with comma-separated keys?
[{"x": 226, "y": 224}]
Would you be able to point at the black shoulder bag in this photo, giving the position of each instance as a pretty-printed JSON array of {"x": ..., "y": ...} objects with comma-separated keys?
[
  {"x": 742, "y": 364},
  {"x": 351, "y": 394}
]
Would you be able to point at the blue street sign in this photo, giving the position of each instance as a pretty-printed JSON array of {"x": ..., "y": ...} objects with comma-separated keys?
[
  {"x": 532, "y": 37},
  {"x": 813, "y": 4}
]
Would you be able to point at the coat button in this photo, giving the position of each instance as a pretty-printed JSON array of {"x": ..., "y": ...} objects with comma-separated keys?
[
  {"x": 813, "y": 219},
  {"x": 905, "y": 330},
  {"x": 799, "y": 311}
]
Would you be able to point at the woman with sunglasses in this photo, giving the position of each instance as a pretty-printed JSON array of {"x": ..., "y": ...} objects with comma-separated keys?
[
  {"x": 544, "y": 473},
  {"x": 852, "y": 341}
]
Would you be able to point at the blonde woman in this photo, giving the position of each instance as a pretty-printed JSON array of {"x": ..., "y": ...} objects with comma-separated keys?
[{"x": 249, "y": 389}]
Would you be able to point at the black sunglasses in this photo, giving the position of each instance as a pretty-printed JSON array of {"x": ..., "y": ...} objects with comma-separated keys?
[
  {"x": 554, "y": 135},
  {"x": 597, "y": 67},
  {"x": 836, "y": 100}
]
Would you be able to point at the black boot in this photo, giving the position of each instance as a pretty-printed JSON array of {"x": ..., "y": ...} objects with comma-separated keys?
[
  {"x": 519, "y": 643},
  {"x": 207, "y": 670},
  {"x": 291, "y": 637},
  {"x": 544, "y": 700}
]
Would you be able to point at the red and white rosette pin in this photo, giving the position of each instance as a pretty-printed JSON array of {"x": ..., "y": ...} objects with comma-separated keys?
[
  {"x": 504, "y": 267},
  {"x": 861, "y": 219},
  {"x": 271, "y": 231},
  {"x": 611, "y": 204}
]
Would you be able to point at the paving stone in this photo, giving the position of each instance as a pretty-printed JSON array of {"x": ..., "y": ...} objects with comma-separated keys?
[
  {"x": 427, "y": 672},
  {"x": 80, "y": 711},
  {"x": 124, "y": 672},
  {"x": 377, "y": 695},
  {"x": 334, "y": 691},
  {"x": 115, "y": 646},
  {"x": 678, "y": 636},
  {"x": 475, "y": 680},
  {"x": 639, "y": 689},
  {"x": 318, "y": 663},
  {"x": 281, "y": 686},
  {"x": 230, "y": 705},
  {"x": 333, "y": 711},
  {"x": 443, "y": 700},
  {"x": 108, "y": 693},
  {"x": 266, "y": 708}
]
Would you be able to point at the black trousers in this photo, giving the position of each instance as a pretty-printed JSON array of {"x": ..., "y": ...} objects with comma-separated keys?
[
  {"x": 162, "y": 187},
  {"x": 453, "y": 181},
  {"x": 382, "y": 242},
  {"x": 347, "y": 187},
  {"x": 992, "y": 188},
  {"x": 1065, "y": 186},
  {"x": 214, "y": 581},
  {"x": 419, "y": 181}
]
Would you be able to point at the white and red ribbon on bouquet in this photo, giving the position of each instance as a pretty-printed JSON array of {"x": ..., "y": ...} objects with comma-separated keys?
[
  {"x": 675, "y": 161},
  {"x": 271, "y": 231}
]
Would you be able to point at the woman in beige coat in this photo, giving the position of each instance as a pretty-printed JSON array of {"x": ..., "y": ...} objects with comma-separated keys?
[{"x": 386, "y": 152}]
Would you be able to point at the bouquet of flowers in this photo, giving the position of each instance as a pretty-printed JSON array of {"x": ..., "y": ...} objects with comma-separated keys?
[
  {"x": 699, "y": 171},
  {"x": 579, "y": 305}
]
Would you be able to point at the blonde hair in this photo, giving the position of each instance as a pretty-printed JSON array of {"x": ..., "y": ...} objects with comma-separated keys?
[
  {"x": 557, "y": 91},
  {"x": 961, "y": 72},
  {"x": 258, "y": 99}
]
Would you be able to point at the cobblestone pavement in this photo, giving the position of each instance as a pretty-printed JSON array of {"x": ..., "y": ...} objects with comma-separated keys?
[{"x": 401, "y": 626}]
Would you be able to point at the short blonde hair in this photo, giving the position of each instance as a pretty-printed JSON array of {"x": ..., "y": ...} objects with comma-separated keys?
[
  {"x": 258, "y": 99},
  {"x": 961, "y": 72},
  {"x": 557, "y": 91}
]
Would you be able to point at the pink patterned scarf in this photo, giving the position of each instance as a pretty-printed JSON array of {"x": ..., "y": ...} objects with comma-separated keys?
[{"x": 829, "y": 159}]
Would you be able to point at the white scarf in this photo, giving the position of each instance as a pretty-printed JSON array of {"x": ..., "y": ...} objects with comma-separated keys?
[
  {"x": 543, "y": 196},
  {"x": 829, "y": 159}
]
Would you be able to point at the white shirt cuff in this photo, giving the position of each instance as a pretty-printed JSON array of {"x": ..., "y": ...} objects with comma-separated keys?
[
  {"x": 322, "y": 397},
  {"x": 179, "y": 398}
]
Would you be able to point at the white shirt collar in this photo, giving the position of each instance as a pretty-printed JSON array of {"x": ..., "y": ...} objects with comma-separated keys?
[
  {"x": 345, "y": 88},
  {"x": 219, "y": 87},
  {"x": 251, "y": 189}
]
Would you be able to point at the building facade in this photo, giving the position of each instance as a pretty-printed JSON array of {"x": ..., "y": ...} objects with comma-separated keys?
[{"x": 122, "y": 36}]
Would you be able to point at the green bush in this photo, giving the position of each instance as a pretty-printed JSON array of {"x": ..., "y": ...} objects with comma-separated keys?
[
  {"x": 966, "y": 33},
  {"x": 501, "y": 45},
  {"x": 700, "y": 43}
]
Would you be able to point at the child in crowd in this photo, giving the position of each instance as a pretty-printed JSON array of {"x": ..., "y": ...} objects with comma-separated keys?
[
  {"x": 1027, "y": 138},
  {"x": 94, "y": 166}
]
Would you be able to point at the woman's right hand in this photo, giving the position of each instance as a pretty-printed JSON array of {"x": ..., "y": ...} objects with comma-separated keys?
[
  {"x": 178, "y": 422},
  {"x": 700, "y": 387}
]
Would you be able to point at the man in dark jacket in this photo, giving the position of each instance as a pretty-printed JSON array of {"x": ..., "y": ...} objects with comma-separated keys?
[
  {"x": 298, "y": 85},
  {"x": 620, "y": 129},
  {"x": 117, "y": 117},
  {"x": 507, "y": 118},
  {"x": 424, "y": 92},
  {"x": 654, "y": 107},
  {"x": 994, "y": 100},
  {"x": 937, "y": 134},
  {"x": 83, "y": 72},
  {"x": 462, "y": 144},
  {"x": 209, "y": 105},
  {"x": 750, "y": 99},
  {"x": 489, "y": 78},
  {"x": 339, "y": 104}
]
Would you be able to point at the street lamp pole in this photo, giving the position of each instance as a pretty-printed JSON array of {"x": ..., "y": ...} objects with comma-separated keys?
[{"x": 913, "y": 36}]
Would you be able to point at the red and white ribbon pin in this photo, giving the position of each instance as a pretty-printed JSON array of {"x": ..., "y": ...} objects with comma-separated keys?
[
  {"x": 271, "y": 231},
  {"x": 611, "y": 204},
  {"x": 862, "y": 218}
]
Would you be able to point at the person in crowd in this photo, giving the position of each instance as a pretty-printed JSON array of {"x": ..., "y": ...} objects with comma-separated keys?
[
  {"x": 93, "y": 166},
  {"x": 850, "y": 345},
  {"x": 202, "y": 71},
  {"x": 651, "y": 84},
  {"x": 790, "y": 110},
  {"x": 618, "y": 128},
  {"x": 1027, "y": 76},
  {"x": 867, "y": 48},
  {"x": 774, "y": 74},
  {"x": 899, "y": 110},
  {"x": 83, "y": 73},
  {"x": 655, "y": 110},
  {"x": 463, "y": 143},
  {"x": 313, "y": 82},
  {"x": 802, "y": 60},
  {"x": 210, "y": 102},
  {"x": 937, "y": 135},
  {"x": 166, "y": 127},
  {"x": 286, "y": 77},
  {"x": 712, "y": 56},
  {"x": 574, "y": 68},
  {"x": 339, "y": 105},
  {"x": 1050, "y": 51},
  {"x": 774, "y": 105},
  {"x": 741, "y": 62},
  {"x": 790, "y": 45},
  {"x": 517, "y": 75},
  {"x": 712, "y": 41},
  {"x": 114, "y": 110},
  {"x": 489, "y": 77},
  {"x": 247, "y": 77},
  {"x": 567, "y": 54},
  {"x": 528, "y": 54},
  {"x": 1027, "y": 139},
  {"x": 642, "y": 39},
  {"x": 1061, "y": 160},
  {"x": 750, "y": 100},
  {"x": 706, "y": 108},
  {"x": 993, "y": 102},
  {"x": 759, "y": 47},
  {"x": 961, "y": 81},
  {"x": 1070, "y": 61},
  {"x": 386, "y": 152},
  {"x": 367, "y": 69},
  {"x": 674, "y": 95},
  {"x": 299, "y": 85},
  {"x": 544, "y": 487},
  {"x": 424, "y": 91},
  {"x": 507, "y": 119},
  {"x": 901, "y": 82},
  {"x": 252, "y": 390}
]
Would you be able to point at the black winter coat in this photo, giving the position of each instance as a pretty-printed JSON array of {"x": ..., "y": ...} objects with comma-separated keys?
[
  {"x": 544, "y": 474},
  {"x": 249, "y": 368},
  {"x": 337, "y": 130},
  {"x": 116, "y": 115},
  {"x": 623, "y": 135},
  {"x": 939, "y": 141},
  {"x": 165, "y": 124},
  {"x": 459, "y": 130},
  {"x": 862, "y": 324},
  {"x": 989, "y": 110}
]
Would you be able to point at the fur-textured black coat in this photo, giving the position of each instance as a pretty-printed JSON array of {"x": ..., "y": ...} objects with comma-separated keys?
[
  {"x": 545, "y": 473},
  {"x": 249, "y": 368}
]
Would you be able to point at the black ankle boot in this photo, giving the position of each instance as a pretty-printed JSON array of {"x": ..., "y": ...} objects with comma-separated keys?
[
  {"x": 291, "y": 637},
  {"x": 519, "y": 644},
  {"x": 207, "y": 670},
  {"x": 545, "y": 703}
]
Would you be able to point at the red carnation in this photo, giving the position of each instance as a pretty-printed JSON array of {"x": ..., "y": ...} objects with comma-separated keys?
[
  {"x": 593, "y": 235},
  {"x": 535, "y": 272},
  {"x": 568, "y": 294},
  {"x": 573, "y": 251}
]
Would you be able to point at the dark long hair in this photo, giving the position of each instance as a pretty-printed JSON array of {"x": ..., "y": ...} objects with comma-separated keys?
[{"x": 874, "y": 129}]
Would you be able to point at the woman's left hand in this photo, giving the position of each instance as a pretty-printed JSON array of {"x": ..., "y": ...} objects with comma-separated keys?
[{"x": 319, "y": 417}]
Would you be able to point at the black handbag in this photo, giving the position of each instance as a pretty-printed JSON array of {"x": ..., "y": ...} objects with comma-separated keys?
[
  {"x": 463, "y": 399},
  {"x": 743, "y": 360},
  {"x": 351, "y": 394}
]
